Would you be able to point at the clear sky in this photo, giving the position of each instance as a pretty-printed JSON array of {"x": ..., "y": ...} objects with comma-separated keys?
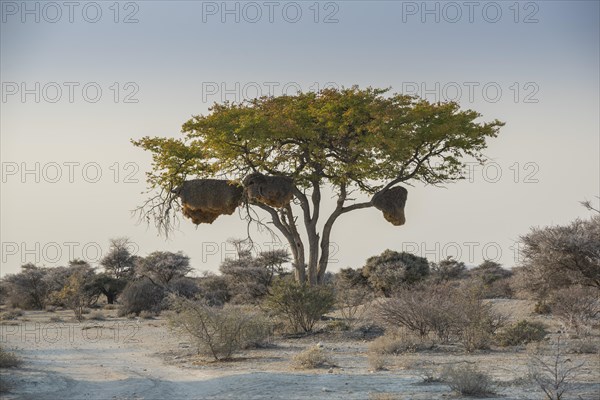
[{"x": 80, "y": 79}]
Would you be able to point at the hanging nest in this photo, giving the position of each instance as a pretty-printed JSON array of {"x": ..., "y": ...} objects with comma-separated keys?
[
  {"x": 391, "y": 202},
  {"x": 203, "y": 200},
  {"x": 275, "y": 191}
]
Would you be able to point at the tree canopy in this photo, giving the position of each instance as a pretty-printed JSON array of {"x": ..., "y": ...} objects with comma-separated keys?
[{"x": 363, "y": 140}]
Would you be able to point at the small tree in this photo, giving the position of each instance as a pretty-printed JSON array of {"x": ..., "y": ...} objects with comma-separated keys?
[
  {"x": 448, "y": 269},
  {"x": 249, "y": 277},
  {"x": 79, "y": 292},
  {"x": 109, "y": 286},
  {"x": 161, "y": 267},
  {"x": 560, "y": 256},
  {"x": 119, "y": 262},
  {"x": 552, "y": 371},
  {"x": 300, "y": 304},
  {"x": 29, "y": 288},
  {"x": 352, "y": 140}
]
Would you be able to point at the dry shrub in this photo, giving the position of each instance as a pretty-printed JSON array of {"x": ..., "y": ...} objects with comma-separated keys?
[
  {"x": 274, "y": 191},
  {"x": 448, "y": 312},
  {"x": 397, "y": 344},
  {"x": 391, "y": 202},
  {"x": 301, "y": 305},
  {"x": 311, "y": 358},
  {"x": 577, "y": 307},
  {"x": 204, "y": 200},
  {"x": 220, "y": 331},
  {"x": 522, "y": 332},
  {"x": 552, "y": 370},
  {"x": 377, "y": 362},
  {"x": 9, "y": 360},
  {"x": 467, "y": 380},
  {"x": 55, "y": 318},
  {"x": 110, "y": 307}
]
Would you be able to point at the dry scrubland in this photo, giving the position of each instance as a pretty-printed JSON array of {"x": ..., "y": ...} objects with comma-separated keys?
[{"x": 112, "y": 357}]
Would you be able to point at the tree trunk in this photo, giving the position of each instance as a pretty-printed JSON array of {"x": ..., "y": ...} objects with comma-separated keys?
[{"x": 110, "y": 297}]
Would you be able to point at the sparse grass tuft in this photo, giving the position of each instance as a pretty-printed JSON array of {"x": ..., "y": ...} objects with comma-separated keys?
[{"x": 311, "y": 358}]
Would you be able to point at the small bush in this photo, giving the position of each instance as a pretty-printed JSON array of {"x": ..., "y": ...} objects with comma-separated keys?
[
  {"x": 467, "y": 381},
  {"x": 314, "y": 357},
  {"x": 220, "y": 332},
  {"x": 9, "y": 360},
  {"x": 141, "y": 295},
  {"x": 301, "y": 305},
  {"x": 522, "y": 332},
  {"x": 97, "y": 316},
  {"x": 55, "y": 318},
  {"x": 110, "y": 307},
  {"x": 392, "y": 344}
]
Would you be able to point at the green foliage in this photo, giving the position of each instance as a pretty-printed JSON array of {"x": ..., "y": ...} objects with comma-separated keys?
[
  {"x": 300, "y": 304},
  {"x": 350, "y": 139},
  {"x": 522, "y": 332},
  {"x": 119, "y": 262}
]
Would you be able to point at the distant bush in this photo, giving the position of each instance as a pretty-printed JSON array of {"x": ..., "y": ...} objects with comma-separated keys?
[
  {"x": 213, "y": 289},
  {"x": 301, "y": 305},
  {"x": 9, "y": 360},
  {"x": 448, "y": 269},
  {"x": 220, "y": 331},
  {"x": 584, "y": 346},
  {"x": 467, "y": 381},
  {"x": 311, "y": 358},
  {"x": 141, "y": 295},
  {"x": 522, "y": 332},
  {"x": 390, "y": 270}
]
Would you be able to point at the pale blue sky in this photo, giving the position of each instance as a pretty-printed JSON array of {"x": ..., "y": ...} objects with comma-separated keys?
[{"x": 176, "y": 49}]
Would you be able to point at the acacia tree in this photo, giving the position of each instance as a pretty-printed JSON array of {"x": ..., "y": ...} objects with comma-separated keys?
[{"x": 362, "y": 140}]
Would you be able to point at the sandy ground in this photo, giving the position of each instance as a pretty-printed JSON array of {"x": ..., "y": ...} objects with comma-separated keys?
[{"x": 119, "y": 358}]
